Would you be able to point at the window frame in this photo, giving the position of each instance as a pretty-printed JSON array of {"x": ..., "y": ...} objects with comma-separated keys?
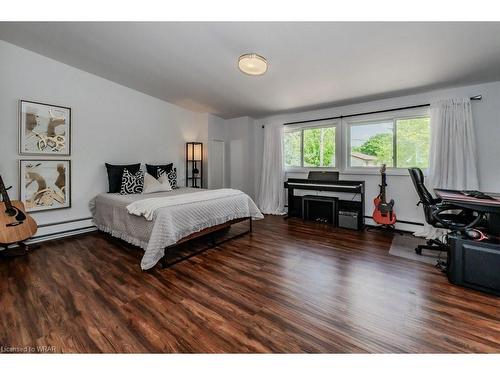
[
  {"x": 367, "y": 119},
  {"x": 317, "y": 125}
]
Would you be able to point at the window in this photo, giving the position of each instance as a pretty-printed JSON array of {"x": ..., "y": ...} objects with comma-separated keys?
[
  {"x": 372, "y": 144},
  {"x": 310, "y": 147},
  {"x": 293, "y": 148},
  {"x": 397, "y": 142},
  {"x": 413, "y": 137}
]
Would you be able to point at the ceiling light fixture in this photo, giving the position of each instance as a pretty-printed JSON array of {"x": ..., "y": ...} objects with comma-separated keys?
[{"x": 252, "y": 64}]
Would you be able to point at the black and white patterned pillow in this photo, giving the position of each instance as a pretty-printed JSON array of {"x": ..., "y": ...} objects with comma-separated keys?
[
  {"x": 171, "y": 176},
  {"x": 132, "y": 183}
]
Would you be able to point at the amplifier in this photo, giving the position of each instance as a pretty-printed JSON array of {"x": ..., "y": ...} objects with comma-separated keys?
[{"x": 348, "y": 219}]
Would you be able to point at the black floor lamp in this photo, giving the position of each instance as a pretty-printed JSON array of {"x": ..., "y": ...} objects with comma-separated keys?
[{"x": 194, "y": 164}]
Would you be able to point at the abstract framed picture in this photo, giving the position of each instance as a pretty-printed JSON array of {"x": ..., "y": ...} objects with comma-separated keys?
[
  {"x": 44, "y": 129},
  {"x": 45, "y": 184}
]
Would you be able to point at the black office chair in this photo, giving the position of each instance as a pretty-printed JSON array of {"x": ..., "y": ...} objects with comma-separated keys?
[{"x": 435, "y": 213}]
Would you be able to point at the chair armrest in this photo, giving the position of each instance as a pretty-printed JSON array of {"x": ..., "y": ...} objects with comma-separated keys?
[
  {"x": 437, "y": 201},
  {"x": 437, "y": 209}
]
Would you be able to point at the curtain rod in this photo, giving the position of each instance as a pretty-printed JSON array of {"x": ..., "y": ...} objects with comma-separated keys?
[{"x": 475, "y": 97}]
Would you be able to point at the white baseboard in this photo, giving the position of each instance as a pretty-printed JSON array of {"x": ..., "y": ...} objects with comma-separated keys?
[
  {"x": 63, "y": 229},
  {"x": 62, "y": 235}
]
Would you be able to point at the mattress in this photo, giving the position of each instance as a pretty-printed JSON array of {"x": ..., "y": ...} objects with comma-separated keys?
[{"x": 169, "y": 224}]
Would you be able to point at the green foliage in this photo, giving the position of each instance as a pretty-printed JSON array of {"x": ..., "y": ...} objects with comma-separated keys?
[
  {"x": 413, "y": 137},
  {"x": 413, "y": 140},
  {"x": 292, "y": 148},
  {"x": 319, "y": 147},
  {"x": 379, "y": 145}
]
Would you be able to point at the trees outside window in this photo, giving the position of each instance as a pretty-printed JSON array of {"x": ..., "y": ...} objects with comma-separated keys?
[
  {"x": 397, "y": 142},
  {"x": 413, "y": 137},
  {"x": 310, "y": 147},
  {"x": 372, "y": 139},
  {"x": 319, "y": 147},
  {"x": 293, "y": 148}
]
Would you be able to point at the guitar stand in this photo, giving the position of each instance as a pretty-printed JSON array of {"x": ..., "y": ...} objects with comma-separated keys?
[
  {"x": 385, "y": 228},
  {"x": 21, "y": 250}
]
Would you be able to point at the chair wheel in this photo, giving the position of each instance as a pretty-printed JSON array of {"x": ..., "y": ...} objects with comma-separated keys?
[{"x": 418, "y": 251}]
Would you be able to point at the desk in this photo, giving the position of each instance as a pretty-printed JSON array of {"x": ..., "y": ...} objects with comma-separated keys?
[
  {"x": 489, "y": 206},
  {"x": 474, "y": 264}
]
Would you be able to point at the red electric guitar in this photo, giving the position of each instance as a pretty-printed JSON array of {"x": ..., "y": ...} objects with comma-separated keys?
[{"x": 384, "y": 211}]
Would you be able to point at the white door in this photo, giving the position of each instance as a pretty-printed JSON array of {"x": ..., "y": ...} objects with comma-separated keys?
[{"x": 217, "y": 164}]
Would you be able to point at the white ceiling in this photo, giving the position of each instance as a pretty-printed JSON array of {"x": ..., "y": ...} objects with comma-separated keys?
[{"x": 311, "y": 65}]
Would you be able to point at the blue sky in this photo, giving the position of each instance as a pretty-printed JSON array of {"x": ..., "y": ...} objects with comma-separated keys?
[{"x": 361, "y": 133}]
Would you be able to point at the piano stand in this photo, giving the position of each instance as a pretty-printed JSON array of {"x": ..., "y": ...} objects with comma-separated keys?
[{"x": 327, "y": 186}]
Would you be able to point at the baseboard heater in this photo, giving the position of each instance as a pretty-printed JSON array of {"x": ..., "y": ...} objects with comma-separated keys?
[{"x": 63, "y": 233}]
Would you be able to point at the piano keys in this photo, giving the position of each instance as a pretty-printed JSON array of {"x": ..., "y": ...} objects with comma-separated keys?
[{"x": 341, "y": 186}]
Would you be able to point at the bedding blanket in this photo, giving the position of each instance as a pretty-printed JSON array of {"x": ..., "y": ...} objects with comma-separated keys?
[{"x": 162, "y": 219}]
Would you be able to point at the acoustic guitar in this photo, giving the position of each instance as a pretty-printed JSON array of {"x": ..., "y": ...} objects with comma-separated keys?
[
  {"x": 384, "y": 211},
  {"x": 15, "y": 224}
]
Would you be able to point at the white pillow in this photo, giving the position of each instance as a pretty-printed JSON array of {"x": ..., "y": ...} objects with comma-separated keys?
[{"x": 153, "y": 185}]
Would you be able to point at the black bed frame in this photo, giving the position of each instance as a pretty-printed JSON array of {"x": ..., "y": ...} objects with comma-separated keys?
[{"x": 165, "y": 263}]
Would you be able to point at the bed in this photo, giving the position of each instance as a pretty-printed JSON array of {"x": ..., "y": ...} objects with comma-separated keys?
[{"x": 158, "y": 221}]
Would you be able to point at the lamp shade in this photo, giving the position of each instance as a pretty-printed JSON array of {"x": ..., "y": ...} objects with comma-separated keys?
[
  {"x": 252, "y": 64},
  {"x": 194, "y": 151}
]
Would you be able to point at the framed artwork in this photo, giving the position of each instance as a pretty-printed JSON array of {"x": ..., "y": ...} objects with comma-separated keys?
[
  {"x": 45, "y": 184},
  {"x": 44, "y": 129}
]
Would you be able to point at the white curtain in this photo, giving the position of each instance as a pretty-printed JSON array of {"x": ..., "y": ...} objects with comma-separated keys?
[
  {"x": 271, "y": 195},
  {"x": 452, "y": 156}
]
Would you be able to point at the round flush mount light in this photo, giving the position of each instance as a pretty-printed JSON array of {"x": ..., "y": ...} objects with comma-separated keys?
[{"x": 252, "y": 64}]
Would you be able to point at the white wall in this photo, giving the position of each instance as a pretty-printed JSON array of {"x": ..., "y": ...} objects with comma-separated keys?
[
  {"x": 486, "y": 115},
  {"x": 238, "y": 135},
  {"x": 241, "y": 154},
  {"x": 111, "y": 123},
  {"x": 240, "y": 169},
  {"x": 217, "y": 131}
]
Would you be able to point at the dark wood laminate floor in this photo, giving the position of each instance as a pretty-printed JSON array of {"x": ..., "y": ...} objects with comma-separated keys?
[{"x": 288, "y": 287}]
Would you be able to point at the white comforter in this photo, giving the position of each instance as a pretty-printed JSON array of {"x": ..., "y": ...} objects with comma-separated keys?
[
  {"x": 148, "y": 207},
  {"x": 159, "y": 222}
]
